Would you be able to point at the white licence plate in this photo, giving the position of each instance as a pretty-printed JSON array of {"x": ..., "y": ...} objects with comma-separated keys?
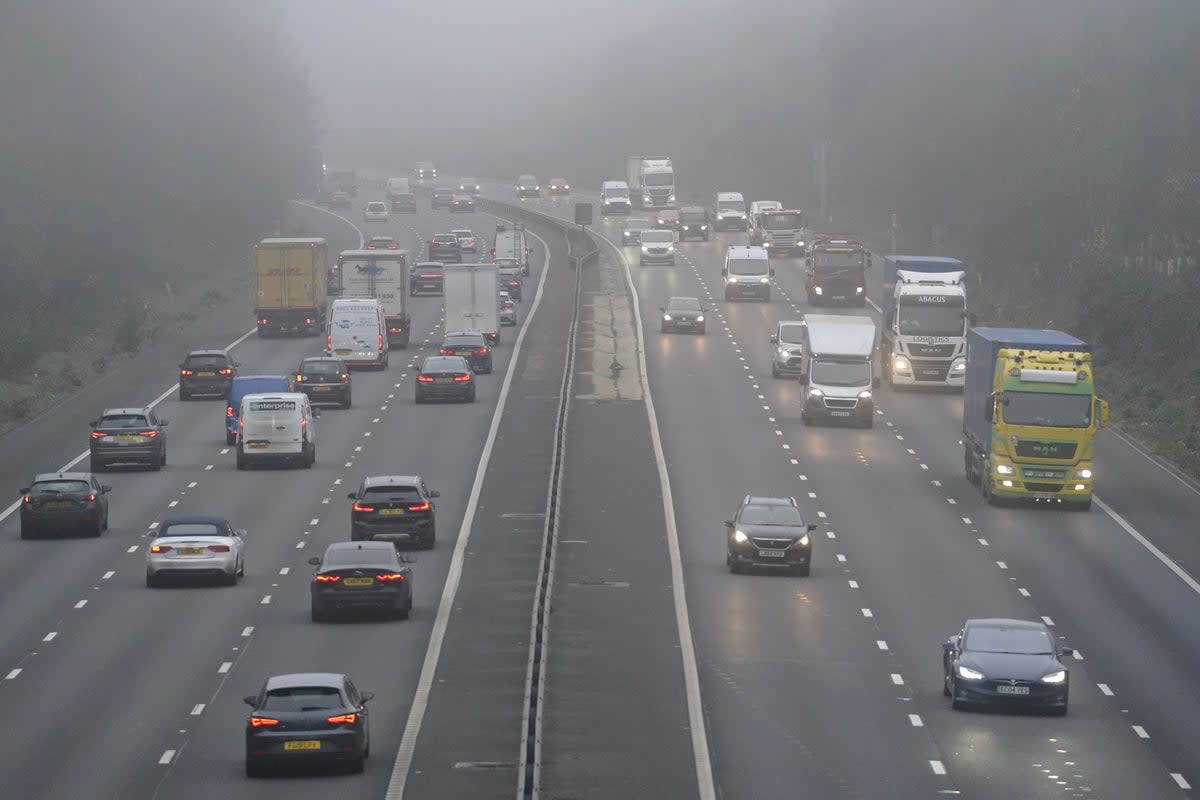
[
  {"x": 771, "y": 553},
  {"x": 839, "y": 413},
  {"x": 1012, "y": 690}
]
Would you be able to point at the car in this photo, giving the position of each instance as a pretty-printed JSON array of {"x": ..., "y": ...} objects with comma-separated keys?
[
  {"x": 468, "y": 242},
  {"x": 1005, "y": 662},
  {"x": 657, "y": 247},
  {"x": 631, "y": 230},
  {"x": 527, "y": 186},
  {"x": 469, "y": 186},
  {"x": 307, "y": 718},
  {"x": 206, "y": 372},
  {"x": 683, "y": 314},
  {"x": 325, "y": 379},
  {"x": 375, "y": 211},
  {"x": 381, "y": 243},
  {"x": 425, "y": 169},
  {"x": 462, "y": 203},
  {"x": 471, "y": 345},
  {"x": 446, "y": 248},
  {"x": 444, "y": 378},
  {"x": 442, "y": 198},
  {"x": 127, "y": 436},
  {"x": 667, "y": 219},
  {"x": 195, "y": 546},
  {"x": 248, "y": 384},
  {"x": 404, "y": 203},
  {"x": 427, "y": 277},
  {"x": 768, "y": 532},
  {"x": 559, "y": 186},
  {"x": 394, "y": 508},
  {"x": 510, "y": 281},
  {"x": 340, "y": 199},
  {"x": 360, "y": 576},
  {"x": 58, "y": 501},
  {"x": 787, "y": 348},
  {"x": 693, "y": 223},
  {"x": 508, "y": 309}
]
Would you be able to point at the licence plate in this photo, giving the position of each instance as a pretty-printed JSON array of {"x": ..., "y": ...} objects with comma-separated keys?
[
  {"x": 684, "y": 323},
  {"x": 839, "y": 413},
  {"x": 358, "y": 581},
  {"x": 191, "y": 551},
  {"x": 205, "y": 374},
  {"x": 1012, "y": 690},
  {"x": 321, "y": 388},
  {"x": 342, "y": 352},
  {"x": 309, "y": 744},
  {"x": 445, "y": 380},
  {"x": 256, "y": 445},
  {"x": 391, "y": 512},
  {"x": 57, "y": 504},
  {"x": 128, "y": 439},
  {"x": 771, "y": 553},
  {"x": 933, "y": 373}
]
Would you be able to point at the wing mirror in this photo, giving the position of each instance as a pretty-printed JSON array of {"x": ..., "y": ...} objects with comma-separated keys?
[
  {"x": 250, "y": 700},
  {"x": 1103, "y": 412},
  {"x": 949, "y": 645},
  {"x": 315, "y": 561},
  {"x": 367, "y": 696},
  {"x": 724, "y": 270},
  {"x": 728, "y": 523},
  {"x": 434, "y": 493},
  {"x": 24, "y": 490},
  {"x": 870, "y": 261},
  {"x": 93, "y": 423},
  {"x": 1066, "y": 652},
  {"x": 812, "y": 526},
  {"x": 316, "y": 412},
  {"x": 105, "y": 489},
  {"x": 774, "y": 340},
  {"x": 240, "y": 532},
  {"x": 162, "y": 423},
  {"x": 237, "y": 363}
]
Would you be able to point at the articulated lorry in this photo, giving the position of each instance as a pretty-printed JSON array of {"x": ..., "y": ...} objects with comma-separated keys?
[
  {"x": 472, "y": 299},
  {"x": 925, "y": 321},
  {"x": 1030, "y": 416},
  {"x": 835, "y": 270},
  {"x": 780, "y": 231},
  {"x": 382, "y": 274},
  {"x": 651, "y": 181},
  {"x": 288, "y": 278}
]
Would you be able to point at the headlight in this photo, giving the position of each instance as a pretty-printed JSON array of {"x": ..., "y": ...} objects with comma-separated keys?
[
  {"x": 567, "y": 186},
  {"x": 968, "y": 674},
  {"x": 960, "y": 365},
  {"x": 858, "y": 289},
  {"x": 670, "y": 248},
  {"x": 740, "y": 537},
  {"x": 1083, "y": 473},
  {"x": 818, "y": 290},
  {"x": 671, "y": 199},
  {"x": 815, "y": 393},
  {"x": 666, "y": 317},
  {"x": 864, "y": 395},
  {"x": 703, "y": 227},
  {"x": 645, "y": 249},
  {"x": 1055, "y": 677},
  {"x": 764, "y": 279},
  {"x": 1006, "y": 483},
  {"x": 1004, "y": 469},
  {"x": 699, "y": 318},
  {"x": 537, "y": 188},
  {"x": 900, "y": 364},
  {"x": 783, "y": 351},
  {"x": 730, "y": 279},
  {"x": 799, "y": 243},
  {"x": 803, "y": 540},
  {"x": 766, "y": 244}
]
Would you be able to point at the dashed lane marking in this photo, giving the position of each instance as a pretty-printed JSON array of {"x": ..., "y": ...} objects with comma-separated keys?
[
  {"x": 81, "y": 604},
  {"x": 167, "y": 757},
  {"x": 1104, "y": 689},
  {"x": 937, "y": 766},
  {"x": 12, "y": 674},
  {"x": 50, "y": 637}
]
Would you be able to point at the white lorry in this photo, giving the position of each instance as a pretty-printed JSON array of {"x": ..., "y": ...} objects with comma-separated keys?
[
  {"x": 838, "y": 366},
  {"x": 382, "y": 274},
  {"x": 472, "y": 299},
  {"x": 651, "y": 181},
  {"x": 925, "y": 321}
]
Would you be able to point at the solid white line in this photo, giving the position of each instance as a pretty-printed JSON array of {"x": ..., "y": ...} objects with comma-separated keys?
[
  {"x": 361, "y": 239},
  {"x": 1179, "y": 571},
  {"x": 1104, "y": 689},
  {"x": 1180, "y": 781},
  {"x": 433, "y": 652}
]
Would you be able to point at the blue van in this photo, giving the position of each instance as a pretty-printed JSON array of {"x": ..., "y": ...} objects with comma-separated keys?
[{"x": 242, "y": 386}]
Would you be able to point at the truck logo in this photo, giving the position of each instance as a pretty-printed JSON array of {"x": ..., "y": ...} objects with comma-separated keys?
[
  {"x": 344, "y": 324},
  {"x": 931, "y": 298},
  {"x": 930, "y": 339},
  {"x": 368, "y": 269}
]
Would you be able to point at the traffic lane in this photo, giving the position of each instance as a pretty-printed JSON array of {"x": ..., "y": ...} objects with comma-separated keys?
[{"x": 757, "y": 634}]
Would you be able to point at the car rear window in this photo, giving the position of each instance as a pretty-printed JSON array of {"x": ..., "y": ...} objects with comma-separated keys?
[
  {"x": 445, "y": 238},
  {"x": 771, "y": 515},
  {"x": 322, "y": 369},
  {"x": 124, "y": 421},
  {"x": 398, "y": 494},
  {"x": 464, "y": 234},
  {"x": 445, "y": 364},
  {"x": 303, "y": 698},
  {"x": 405, "y": 196},
  {"x": 206, "y": 362},
  {"x": 190, "y": 529},
  {"x": 59, "y": 487},
  {"x": 474, "y": 341},
  {"x": 376, "y": 206},
  {"x": 353, "y": 557}
]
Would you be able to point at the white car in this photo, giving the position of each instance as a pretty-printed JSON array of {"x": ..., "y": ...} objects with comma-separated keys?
[
  {"x": 508, "y": 309},
  {"x": 194, "y": 547},
  {"x": 467, "y": 241},
  {"x": 375, "y": 211}
]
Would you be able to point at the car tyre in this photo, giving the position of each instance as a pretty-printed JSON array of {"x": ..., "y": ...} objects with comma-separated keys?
[
  {"x": 184, "y": 394},
  {"x": 471, "y": 396},
  {"x": 241, "y": 460},
  {"x": 95, "y": 465},
  {"x": 230, "y": 438},
  {"x": 428, "y": 541},
  {"x": 105, "y": 523},
  {"x": 347, "y": 401},
  {"x": 418, "y": 398},
  {"x": 357, "y": 765},
  {"x": 803, "y": 571},
  {"x": 162, "y": 458},
  {"x": 1058, "y": 712},
  {"x": 945, "y": 686},
  {"x": 774, "y": 371},
  {"x": 96, "y": 529},
  {"x": 152, "y": 580},
  {"x": 317, "y": 614}
]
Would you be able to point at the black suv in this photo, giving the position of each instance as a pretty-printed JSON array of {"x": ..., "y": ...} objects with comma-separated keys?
[
  {"x": 683, "y": 314},
  {"x": 769, "y": 532},
  {"x": 128, "y": 436},
  {"x": 442, "y": 198},
  {"x": 206, "y": 372},
  {"x": 325, "y": 379},
  {"x": 428, "y": 277},
  {"x": 394, "y": 508},
  {"x": 446, "y": 248},
  {"x": 59, "y": 500},
  {"x": 693, "y": 223},
  {"x": 474, "y": 347},
  {"x": 404, "y": 203}
]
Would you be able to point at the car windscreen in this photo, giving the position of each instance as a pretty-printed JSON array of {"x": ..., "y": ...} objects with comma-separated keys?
[
  {"x": 124, "y": 421},
  {"x": 1044, "y": 408},
  {"x": 791, "y": 334},
  {"x": 836, "y": 261},
  {"x": 60, "y": 487},
  {"x": 781, "y": 222},
  {"x": 683, "y": 304},
  {"x": 771, "y": 515},
  {"x": 657, "y": 237},
  {"x": 840, "y": 373},
  {"x": 659, "y": 179},
  {"x": 189, "y": 529},
  {"x": 731, "y": 205},
  {"x": 396, "y": 494},
  {"x": 206, "y": 362},
  {"x": 464, "y": 234},
  {"x": 617, "y": 191},
  {"x": 698, "y": 217},
  {"x": 444, "y": 364},
  {"x": 321, "y": 369},
  {"x": 303, "y": 698},
  {"x": 1027, "y": 641},
  {"x": 376, "y": 207},
  {"x": 748, "y": 266}
]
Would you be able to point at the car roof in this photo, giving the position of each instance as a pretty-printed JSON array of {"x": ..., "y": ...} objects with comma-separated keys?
[
  {"x": 1002, "y": 622},
  {"x": 193, "y": 519},
  {"x": 446, "y": 189},
  {"x": 436, "y": 235},
  {"x": 456, "y": 359},
  {"x": 216, "y": 352},
  {"x": 143, "y": 410},
  {"x": 376, "y": 203},
  {"x": 755, "y": 500},
  {"x": 667, "y": 211},
  {"x": 62, "y": 476},
  {"x": 746, "y": 251},
  {"x": 377, "y": 239},
  {"x": 393, "y": 480},
  {"x": 299, "y": 679}
]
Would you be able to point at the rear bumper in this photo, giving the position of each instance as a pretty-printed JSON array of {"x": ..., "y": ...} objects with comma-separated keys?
[
  {"x": 444, "y": 391},
  {"x": 336, "y": 746},
  {"x": 218, "y": 564},
  {"x": 218, "y": 387},
  {"x": 53, "y": 520},
  {"x": 332, "y": 393},
  {"x": 400, "y": 530},
  {"x": 137, "y": 454},
  {"x": 374, "y": 598}
]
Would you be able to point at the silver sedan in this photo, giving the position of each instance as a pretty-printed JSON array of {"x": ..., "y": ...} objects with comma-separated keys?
[{"x": 196, "y": 547}]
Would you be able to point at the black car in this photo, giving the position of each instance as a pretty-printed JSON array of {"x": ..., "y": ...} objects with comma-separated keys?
[
  {"x": 667, "y": 219},
  {"x": 324, "y": 379},
  {"x": 128, "y": 436},
  {"x": 631, "y": 230},
  {"x": 1005, "y": 662},
  {"x": 474, "y": 347},
  {"x": 462, "y": 203},
  {"x": 307, "y": 718},
  {"x": 445, "y": 378},
  {"x": 510, "y": 281},
  {"x": 361, "y": 576},
  {"x": 769, "y": 532},
  {"x": 428, "y": 277},
  {"x": 693, "y": 223},
  {"x": 445, "y": 247},
  {"x": 469, "y": 186},
  {"x": 394, "y": 508},
  {"x": 206, "y": 372},
  {"x": 404, "y": 203},
  {"x": 559, "y": 186},
  {"x": 442, "y": 198},
  {"x": 683, "y": 314},
  {"x": 64, "y": 501},
  {"x": 527, "y": 186}
]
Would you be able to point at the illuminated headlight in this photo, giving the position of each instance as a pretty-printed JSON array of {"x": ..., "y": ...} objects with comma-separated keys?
[
  {"x": 522, "y": 188},
  {"x": 864, "y": 395},
  {"x": 740, "y": 537},
  {"x": 1083, "y": 473},
  {"x": 783, "y": 351},
  {"x": 799, "y": 243},
  {"x": 1079, "y": 487},
  {"x": 666, "y": 317},
  {"x": 566, "y": 186},
  {"x": 1004, "y": 469},
  {"x": 730, "y": 279},
  {"x": 699, "y": 318},
  {"x": 815, "y": 393},
  {"x": 537, "y": 188},
  {"x": 819, "y": 290},
  {"x": 1007, "y": 484},
  {"x": 608, "y": 201},
  {"x": 960, "y": 365},
  {"x": 671, "y": 199},
  {"x": 858, "y": 289},
  {"x": 1055, "y": 677},
  {"x": 670, "y": 248},
  {"x": 968, "y": 674},
  {"x": 764, "y": 279},
  {"x": 703, "y": 227},
  {"x": 645, "y": 248},
  {"x": 899, "y": 364},
  {"x": 766, "y": 244},
  {"x": 803, "y": 540}
]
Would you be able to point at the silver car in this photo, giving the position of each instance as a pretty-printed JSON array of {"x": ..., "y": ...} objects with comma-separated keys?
[
  {"x": 508, "y": 309},
  {"x": 787, "y": 352},
  {"x": 196, "y": 547}
]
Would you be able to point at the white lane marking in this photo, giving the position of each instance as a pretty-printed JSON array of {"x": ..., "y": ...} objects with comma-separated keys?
[
  {"x": 49, "y": 637},
  {"x": 192, "y": 485},
  {"x": 107, "y": 575},
  {"x": 12, "y": 674},
  {"x": 1024, "y": 592},
  {"x": 1180, "y": 781},
  {"x": 924, "y": 466},
  {"x": 822, "y": 514},
  {"x": 787, "y": 447},
  {"x": 81, "y": 604},
  {"x": 349, "y": 463},
  {"x": 794, "y": 461},
  {"x": 225, "y": 667},
  {"x": 812, "y": 495},
  {"x": 1077, "y": 655},
  {"x": 1001, "y": 565},
  {"x": 314, "y": 521},
  {"x": 951, "y": 501},
  {"x": 967, "y": 521},
  {"x": 337, "y": 482},
  {"x": 983, "y": 542},
  {"x": 1141, "y": 732},
  {"x": 246, "y": 631},
  {"x": 375, "y": 420},
  {"x": 1105, "y": 689},
  {"x": 938, "y": 767},
  {"x": 266, "y": 600},
  {"x": 284, "y": 570},
  {"x": 915, "y": 720},
  {"x": 936, "y": 483},
  {"x": 358, "y": 448},
  {"x": 881, "y": 644},
  {"x": 300, "y": 545},
  {"x": 197, "y": 709},
  {"x": 225, "y": 452},
  {"x": 153, "y": 525},
  {"x": 841, "y": 557},
  {"x": 803, "y": 477},
  {"x": 897, "y": 679},
  {"x": 209, "y": 466},
  {"x": 172, "y": 504},
  {"x": 1049, "y": 622},
  {"x": 866, "y": 612},
  {"x": 911, "y": 452},
  {"x": 166, "y": 757},
  {"x": 433, "y": 651},
  {"x": 1144, "y": 542},
  {"x": 853, "y": 584},
  {"x": 361, "y": 239},
  {"x": 133, "y": 548}
]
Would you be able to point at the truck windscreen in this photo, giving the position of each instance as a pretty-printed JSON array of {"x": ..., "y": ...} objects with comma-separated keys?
[
  {"x": 1052, "y": 410},
  {"x": 919, "y": 319},
  {"x": 836, "y": 261},
  {"x": 840, "y": 373},
  {"x": 659, "y": 179},
  {"x": 731, "y": 205},
  {"x": 781, "y": 222},
  {"x": 744, "y": 266}
]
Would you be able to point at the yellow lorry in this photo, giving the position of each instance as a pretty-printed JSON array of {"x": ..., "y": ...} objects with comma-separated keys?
[{"x": 288, "y": 278}]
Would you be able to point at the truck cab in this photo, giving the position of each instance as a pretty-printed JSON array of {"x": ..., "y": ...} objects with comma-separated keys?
[
  {"x": 835, "y": 270},
  {"x": 838, "y": 369},
  {"x": 652, "y": 180},
  {"x": 925, "y": 321},
  {"x": 780, "y": 231}
]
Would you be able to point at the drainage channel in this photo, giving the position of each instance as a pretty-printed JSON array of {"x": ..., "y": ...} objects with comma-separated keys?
[{"x": 529, "y": 769}]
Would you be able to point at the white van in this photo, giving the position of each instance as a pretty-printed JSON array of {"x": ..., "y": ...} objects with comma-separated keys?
[
  {"x": 276, "y": 427},
  {"x": 729, "y": 211},
  {"x": 614, "y": 198},
  {"x": 358, "y": 333},
  {"x": 397, "y": 187}
]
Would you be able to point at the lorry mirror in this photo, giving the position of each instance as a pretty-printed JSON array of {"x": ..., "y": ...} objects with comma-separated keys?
[
  {"x": 802, "y": 378},
  {"x": 1103, "y": 412},
  {"x": 772, "y": 272},
  {"x": 989, "y": 411},
  {"x": 971, "y": 319},
  {"x": 724, "y": 271},
  {"x": 774, "y": 340}
]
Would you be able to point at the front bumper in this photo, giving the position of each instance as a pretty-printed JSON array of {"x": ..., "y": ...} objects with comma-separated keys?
[
  {"x": 528, "y": 193},
  {"x": 730, "y": 224},
  {"x": 789, "y": 364},
  {"x": 760, "y": 291},
  {"x": 692, "y": 232},
  {"x": 929, "y": 372},
  {"x": 1046, "y": 491},
  {"x": 656, "y": 258},
  {"x": 616, "y": 208},
  {"x": 988, "y": 692},
  {"x": 816, "y": 408},
  {"x": 752, "y": 555},
  {"x": 683, "y": 326}
]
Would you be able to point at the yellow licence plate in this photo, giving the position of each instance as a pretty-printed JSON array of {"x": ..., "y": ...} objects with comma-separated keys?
[
  {"x": 56, "y": 504},
  {"x": 307, "y": 744},
  {"x": 205, "y": 374},
  {"x": 358, "y": 581},
  {"x": 191, "y": 551},
  {"x": 321, "y": 388},
  {"x": 127, "y": 438},
  {"x": 342, "y": 352},
  {"x": 256, "y": 445},
  {"x": 391, "y": 512}
]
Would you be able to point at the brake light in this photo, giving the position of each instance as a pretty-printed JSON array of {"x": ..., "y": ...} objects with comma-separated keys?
[
  {"x": 219, "y": 548},
  {"x": 424, "y": 379},
  {"x": 98, "y": 435},
  {"x": 262, "y": 321},
  {"x": 391, "y": 576},
  {"x": 445, "y": 351},
  {"x": 461, "y": 378},
  {"x": 361, "y": 507},
  {"x": 394, "y": 329},
  {"x": 344, "y": 378},
  {"x": 342, "y": 719},
  {"x": 329, "y": 341},
  {"x": 299, "y": 379},
  {"x": 229, "y": 412},
  {"x": 381, "y": 341},
  {"x": 419, "y": 506},
  {"x": 482, "y": 351},
  {"x": 227, "y": 371},
  {"x": 148, "y": 434},
  {"x": 327, "y": 578},
  {"x": 263, "y": 722},
  {"x": 370, "y": 247},
  {"x": 183, "y": 373},
  {"x": 27, "y": 499},
  {"x": 91, "y": 498},
  {"x": 160, "y": 548}
]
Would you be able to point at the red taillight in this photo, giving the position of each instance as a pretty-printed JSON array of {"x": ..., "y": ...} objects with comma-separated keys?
[
  {"x": 461, "y": 378},
  {"x": 299, "y": 379},
  {"x": 229, "y": 411},
  {"x": 391, "y": 576},
  {"x": 344, "y": 378},
  {"x": 262, "y": 321},
  {"x": 482, "y": 351},
  {"x": 394, "y": 329},
  {"x": 327, "y": 578},
  {"x": 329, "y": 341},
  {"x": 393, "y": 247},
  {"x": 219, "y": 548},
  {"x": 227, "y": 371},
  {"x": 342, "y": 719},
  {"x": 419, "y": 506},
  {"x": 183, "y": 373},
  {"x": 91, "y": 498},
  {"x": 370, "y": 247},
  {"x": 98, "y": 435},
  {"x": 381, "y": 341},
  {"x": 424, "y": 379},
  {"x": 148, "y": 434},
  {"x": 160, "y": 548},
  {"x": 263, "y": 722},
  {"x": 445, "y": 351},
  {"x": 361, "y": 507},
  {"x": 27, "y": 499}
]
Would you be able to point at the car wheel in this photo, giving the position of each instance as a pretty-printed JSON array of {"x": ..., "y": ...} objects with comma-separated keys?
[
  {"x": 803, "y": 571},
  {"x": 317, "y": 615},
  {"x": 231, "y": 579},
  {"x": 869, "y": 423},
  {"x": 402, "y": 613},
  {"x": 1059, "y": 712},
  {"x": 97, "y": 528},
  {"x": 184, "y": 394},
  {"x": 703, "y": 330},
  {"x": 428, "y": 541},
  {"x": 356, "y": 764},
  {"x": 162, "y": 458},
  {"x": 152, "y": 580},
  {"x": 955, "y": 703},
  {"x": 95, "y": 465},
  {"x": 241, "y": 460},
  {"x": 310, "y": 458},
  {"x": 418, "y": 398},
  {"x": 471, "y": 396},
  {"x": 945, "y": 685},
  {"x": 105, "y": 521},
  {"x": 255, "y": 770},
  {"x": 346, "y": 402}
]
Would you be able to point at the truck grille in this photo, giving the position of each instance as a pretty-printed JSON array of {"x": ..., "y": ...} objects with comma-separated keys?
[
  {"x": 1044, "y": 487},
  {"x": 834, "y": 402},
  {"x": 924, "y": 370},
  {"x": 772, "y": 544},
  {"x": 932, "y": 350},
  {"x": 781, "y": 238},
  {"x": 1034, "y": 449}
]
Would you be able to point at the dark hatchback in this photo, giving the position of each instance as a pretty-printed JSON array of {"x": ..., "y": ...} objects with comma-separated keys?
[
  {"x": 667, "y": 219},
  {"x": 769, "y": 532},
  {"x": 511, "y": 282},
  {"x": 128, "y": 436},
  {"x": 473, "y": 347},
  {"x": 404, "y": 203},
  {"x": 64, "y": 501},
  {"x": 361, "y": 576},
  {"x": 309, "y": 718},
  {"x": 394, "y": 508},
  {"x": 442, "y": 198},
  {"x": 324, "y": 379},
  {"x": 445, "y": 247},
  {"x": 1005, "y": 662},
  {"x": 693, "y": 223},
  {"x": 683, "y": 315},
  {"x": 445, "y": 378},
  {"x": 631, "y": 230},
  {"x": 428, "y": 277},
  {"x": 206, "y": 372}
]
